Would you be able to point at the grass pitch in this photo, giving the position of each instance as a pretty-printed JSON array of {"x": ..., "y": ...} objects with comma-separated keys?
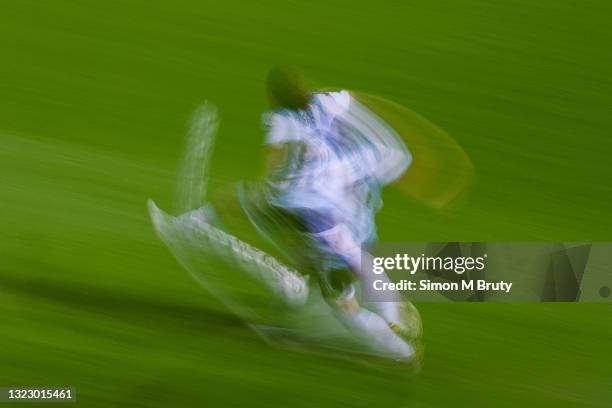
[{"x": 96, "y": 98}]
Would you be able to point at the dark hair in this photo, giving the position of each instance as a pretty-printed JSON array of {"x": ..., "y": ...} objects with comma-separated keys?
[{"x": 286, "y": 86}]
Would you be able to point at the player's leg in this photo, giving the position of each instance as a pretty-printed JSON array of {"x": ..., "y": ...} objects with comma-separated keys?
[
  {"x": 401, "y": 316},
  {"x": 364, "y": 324}
]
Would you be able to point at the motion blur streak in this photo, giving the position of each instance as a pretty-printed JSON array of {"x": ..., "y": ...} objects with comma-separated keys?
[
  {"x": 95, "y": 103},
  {"x": 192, "y": 177}
]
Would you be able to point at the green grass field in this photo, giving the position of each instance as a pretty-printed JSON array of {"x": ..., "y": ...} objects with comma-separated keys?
[{"x": 95, "y": 101}]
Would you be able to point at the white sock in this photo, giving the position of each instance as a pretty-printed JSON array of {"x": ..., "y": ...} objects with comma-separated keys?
[
  {"x": 375, "y": 332},
  {"x": 387, "y": 310}
]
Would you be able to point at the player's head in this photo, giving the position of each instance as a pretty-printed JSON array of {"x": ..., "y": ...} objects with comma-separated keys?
[{"x": 286, "y": 89}]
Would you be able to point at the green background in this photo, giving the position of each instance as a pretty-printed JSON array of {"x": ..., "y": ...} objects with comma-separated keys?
[{"x": 95, "y": 99}]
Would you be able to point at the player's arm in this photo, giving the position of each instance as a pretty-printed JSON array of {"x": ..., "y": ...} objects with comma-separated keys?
[
  {"x": 393, "y": 156},
  {"x": 280, "y": 136}
]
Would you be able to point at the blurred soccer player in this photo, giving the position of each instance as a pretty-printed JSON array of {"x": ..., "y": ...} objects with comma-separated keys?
[{"x": 328, "y": 161}]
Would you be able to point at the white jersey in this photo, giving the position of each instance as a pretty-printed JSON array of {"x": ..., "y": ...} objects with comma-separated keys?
[{"x": 340, "y": 154}]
